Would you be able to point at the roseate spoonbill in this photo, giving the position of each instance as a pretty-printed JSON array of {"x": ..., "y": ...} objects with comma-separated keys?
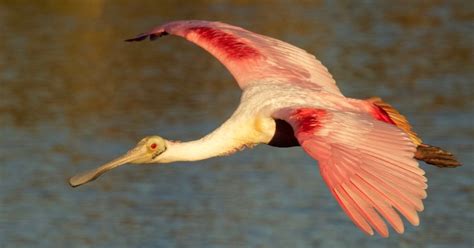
[{"x": 365, "y": 148}]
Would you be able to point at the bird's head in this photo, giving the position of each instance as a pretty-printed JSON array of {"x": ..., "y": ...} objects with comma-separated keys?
[{"x": 146, "y": 151}]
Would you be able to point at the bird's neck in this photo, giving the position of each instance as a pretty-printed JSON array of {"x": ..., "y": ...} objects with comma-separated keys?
[
  {"x": 204, "y": 148},
  {"x": 234, "y": 135},
  {"x": 225, "y": 140}
]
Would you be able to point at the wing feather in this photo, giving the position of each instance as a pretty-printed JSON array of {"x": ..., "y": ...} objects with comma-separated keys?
[
  {"x": 352, "y": 211},
  {"x": 250, "y": 57},
  {"x": 376, "y": 199},
  {"x": 368, "y": 166},
  {"x": 365, "y": 206}
]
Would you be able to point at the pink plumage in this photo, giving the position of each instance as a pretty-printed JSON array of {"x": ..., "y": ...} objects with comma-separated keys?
[
  {"x": 228, "y": 46},
  {"x": 368, "y": 166},
  {"x": 366, "y": 161},
  {"x": 381, "y": 115},
  {"x": 365, "y": 148},
  {"x": 236, "y": 47}
]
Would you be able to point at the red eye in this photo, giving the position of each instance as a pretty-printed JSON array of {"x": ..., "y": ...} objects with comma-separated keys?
[{"x": 153, "y": 146}]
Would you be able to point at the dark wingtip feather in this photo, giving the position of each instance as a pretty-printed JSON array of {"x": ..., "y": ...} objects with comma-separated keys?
[
  {"x": 139, "y": 37},
  {"x": 153, "y": 36}
]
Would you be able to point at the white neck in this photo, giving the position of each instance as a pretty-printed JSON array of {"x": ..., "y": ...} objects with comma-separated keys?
[
  {"x": 222, "y": 141},
  {"x": 207, "y": 147},
  {"x": 234, "y": 135}
]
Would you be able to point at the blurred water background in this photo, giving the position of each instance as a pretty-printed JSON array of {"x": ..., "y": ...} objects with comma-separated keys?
[{"x": 74, "y": 95}]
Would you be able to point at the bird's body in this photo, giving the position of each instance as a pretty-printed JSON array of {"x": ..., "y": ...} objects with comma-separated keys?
[
  {"x": 366, "y": 150},
  {"x": 253, "y": 122}
]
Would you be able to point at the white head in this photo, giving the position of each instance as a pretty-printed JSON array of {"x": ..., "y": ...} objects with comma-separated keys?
[{"x": 146, "y": 151}]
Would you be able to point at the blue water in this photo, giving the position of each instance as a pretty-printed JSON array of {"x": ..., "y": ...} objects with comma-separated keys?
[{"x": 73, "y": 96}]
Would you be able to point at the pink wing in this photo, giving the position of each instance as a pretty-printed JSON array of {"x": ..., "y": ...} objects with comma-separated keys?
[
  {"x": 250, "y": 57},
  {"x": 368, "y": 165}
]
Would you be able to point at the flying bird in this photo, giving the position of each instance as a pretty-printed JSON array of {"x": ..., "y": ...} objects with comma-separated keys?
[{"x": 366, "y": 150}]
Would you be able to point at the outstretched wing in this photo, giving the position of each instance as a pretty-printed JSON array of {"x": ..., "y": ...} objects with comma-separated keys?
[
  {"x": 250, "y": 57},
  {"x": 367, "y": 164}
]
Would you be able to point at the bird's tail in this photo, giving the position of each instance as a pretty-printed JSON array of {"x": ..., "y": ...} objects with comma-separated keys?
[
  {"x": 428, "y": 153},
  {"x": 436, "y": 156}
]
